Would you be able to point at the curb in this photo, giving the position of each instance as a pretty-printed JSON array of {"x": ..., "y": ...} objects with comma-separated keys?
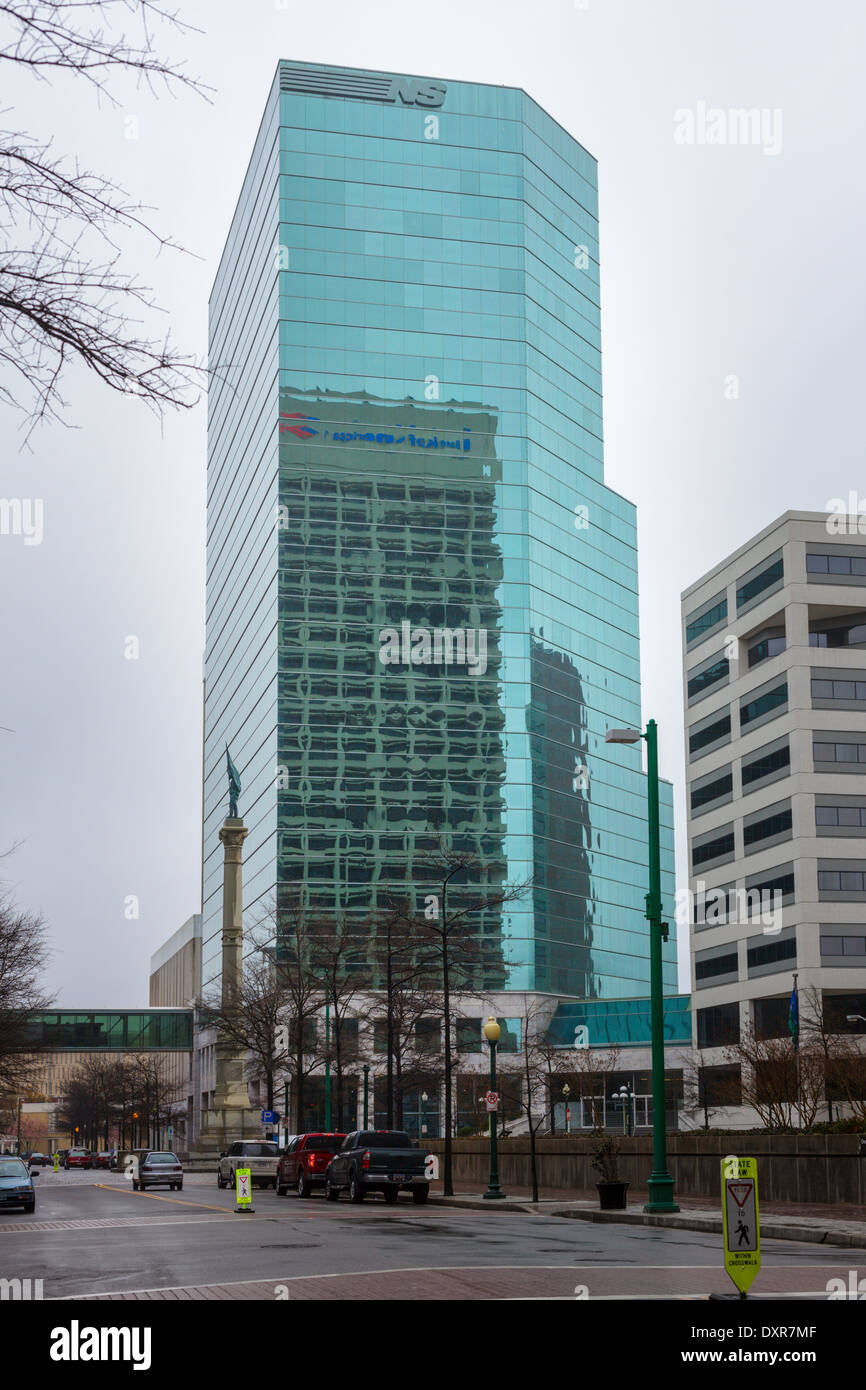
[{"x": 770, "y": 1230}]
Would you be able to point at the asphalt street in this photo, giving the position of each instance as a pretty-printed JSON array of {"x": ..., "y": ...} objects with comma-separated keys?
[{"x": 91, "y": 1235}]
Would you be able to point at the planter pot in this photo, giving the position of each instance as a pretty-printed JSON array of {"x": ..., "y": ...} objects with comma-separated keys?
[{"x": 612, "y": 1195}]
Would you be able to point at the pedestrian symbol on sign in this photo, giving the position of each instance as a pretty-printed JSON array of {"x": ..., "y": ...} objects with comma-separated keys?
[{"x": 244, "y": 1189}]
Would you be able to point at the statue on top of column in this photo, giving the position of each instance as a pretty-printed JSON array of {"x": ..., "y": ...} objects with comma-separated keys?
[{"x": 234, "y": 785}]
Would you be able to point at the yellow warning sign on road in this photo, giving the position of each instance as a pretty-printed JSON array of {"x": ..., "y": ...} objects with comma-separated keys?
[
  {"x": 244, "y": 1189},
  {"x": 740, "y": 1215}
]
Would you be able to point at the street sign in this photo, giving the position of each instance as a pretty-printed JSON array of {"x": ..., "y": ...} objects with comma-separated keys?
[
  {"x": 491, "y": 1100},
  {"x": 171, "y": 1131},
  {"x": 740, "y": 1214},
  {"x": 269, "y": 1117},
  {"x": 244, "y": 1189}
]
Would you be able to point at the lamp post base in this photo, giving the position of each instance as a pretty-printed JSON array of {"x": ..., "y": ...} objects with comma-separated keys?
[
  {"x": 660, "y": 1187},
  {"x": 492, "y": 1194}
]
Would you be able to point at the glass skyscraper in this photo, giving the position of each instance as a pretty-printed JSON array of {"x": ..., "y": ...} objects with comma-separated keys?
[{"x": 422, "y": 599}]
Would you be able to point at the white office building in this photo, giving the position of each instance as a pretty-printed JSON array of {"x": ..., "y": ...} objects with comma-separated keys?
[{"x": 774, "y": 643}]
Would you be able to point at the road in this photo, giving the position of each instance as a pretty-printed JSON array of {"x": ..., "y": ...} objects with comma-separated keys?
[{"x": 92, "y": 1236}]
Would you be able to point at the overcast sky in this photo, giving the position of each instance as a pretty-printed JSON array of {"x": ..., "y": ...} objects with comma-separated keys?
[{"x": 717, "y": 261}]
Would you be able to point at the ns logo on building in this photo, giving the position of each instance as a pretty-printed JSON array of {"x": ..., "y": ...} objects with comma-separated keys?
[{"x": 362, "y": 86}]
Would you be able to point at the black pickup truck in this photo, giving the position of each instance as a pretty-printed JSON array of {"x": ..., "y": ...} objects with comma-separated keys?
[{"x": 377, "y": 1160}]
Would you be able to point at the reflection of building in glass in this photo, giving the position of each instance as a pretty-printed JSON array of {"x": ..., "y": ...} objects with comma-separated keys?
[
  {"x": 562, "y": 831},
  {"x": 387, "y": 543},
  {"x": 396, "y": 286}
]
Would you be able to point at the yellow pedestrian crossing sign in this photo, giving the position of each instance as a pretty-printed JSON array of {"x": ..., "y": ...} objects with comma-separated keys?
[
  {"x": 244, "y": 1189},
  {"x": 740, "y": 1215}
]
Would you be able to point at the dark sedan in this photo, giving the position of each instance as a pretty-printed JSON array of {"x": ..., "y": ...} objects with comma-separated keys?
[{"x": 16, "y": 1184}]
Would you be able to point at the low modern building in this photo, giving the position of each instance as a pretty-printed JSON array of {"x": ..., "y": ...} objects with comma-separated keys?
[{"x": 774, "y": 643}]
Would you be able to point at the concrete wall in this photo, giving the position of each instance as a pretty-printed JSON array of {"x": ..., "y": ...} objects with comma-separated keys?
[{"x": 819, "y": 1168}]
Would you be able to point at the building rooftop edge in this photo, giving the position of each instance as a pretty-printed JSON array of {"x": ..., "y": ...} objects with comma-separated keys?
[{"x": 748, "y": 545}]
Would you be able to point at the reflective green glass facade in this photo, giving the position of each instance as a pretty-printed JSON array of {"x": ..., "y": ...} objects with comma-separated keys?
[
  {"x": 151, "y": 1030},
  {"x": 422, "y": 597}
]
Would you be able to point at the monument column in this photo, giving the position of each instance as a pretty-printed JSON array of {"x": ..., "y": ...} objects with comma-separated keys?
[
  {"x": 232, "y": 1117},
  {"x": 231, "y": 1086}
]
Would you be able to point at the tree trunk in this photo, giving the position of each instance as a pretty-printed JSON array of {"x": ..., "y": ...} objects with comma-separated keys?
[
  {"x": 533, "y": 1161},
  {"x": 299, "y": 1091}
]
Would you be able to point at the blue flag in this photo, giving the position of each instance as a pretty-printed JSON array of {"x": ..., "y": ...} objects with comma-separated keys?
[{"x": 794, "y": 1019}]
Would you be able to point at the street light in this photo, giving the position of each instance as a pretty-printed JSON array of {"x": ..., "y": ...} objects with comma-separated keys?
[
  {"x": 491, "y": 1033},
  {"x": 660, "y": 1184},
  {"x": 855, "y": 1018},
  {"x": 566, "y": 1091},
  {"x": 625, "y": 1097},
  {"x": 366, "y": 1070}
]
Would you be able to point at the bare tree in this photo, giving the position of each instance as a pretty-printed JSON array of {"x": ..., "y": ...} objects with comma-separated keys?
[
  {"x": 530, "y": 1088},
  {"x": 24, "y": 955},
  {"x": 339, "y": 970},
  {"x": 452, "y": 920},
  {"x": 64, "y": 296},
  {"x": 783, "y": 1086}
]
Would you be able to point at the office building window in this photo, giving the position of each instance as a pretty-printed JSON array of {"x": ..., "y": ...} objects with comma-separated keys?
[
  {"x": 836, "y": 564},
  {"x": 838, "y": 690},
  {"x": 706, "y": 679},
  {"x": 765, "y": 764},
  {"x": 712, "y": 791},
  {"x": 765, "y": 580},
  {"x": 771, "y": 952},
  {"x": 695, "y": 627},
  {"x": 750, "y": 710},
  {"x": 841, "y": 881},
  {"x": 710, "y": 733},
  {"x": 833, "y": 945},
  {"x": 764, "y": 648},
  {"x": 825, "y": 752},
  {"x": 719, "y": 1026},
  {"x": 771, "y": 1017},
  {"x": 713, "y": 849},
  {"x": 719, "y": 1086},
  {"x": 849, "y": 817},
  {"x": 759, "y": 830},
  {"x": 719, "y": 965}
]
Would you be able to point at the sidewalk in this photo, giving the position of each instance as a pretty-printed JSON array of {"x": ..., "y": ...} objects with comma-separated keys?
[{"x": 838, "y": 1225}]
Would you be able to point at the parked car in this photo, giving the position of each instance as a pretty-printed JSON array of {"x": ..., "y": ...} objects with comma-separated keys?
[
  {"x": 304, "y": 1162},
  {"x": 39, "y": 1161},
  {"x": 113, "y": 1159},
  {"x": 102, "y": 1159},
  {"x": 159, "y": 1168},
  {"x": 78, "y": 1158},
  {"x": 378, "y": 1160},
  {"x": 16, "y": 1184},
  {"x": 258, "y": 1155}
]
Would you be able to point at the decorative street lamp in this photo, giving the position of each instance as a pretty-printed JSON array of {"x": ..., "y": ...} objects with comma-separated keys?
[
  {"x": 625, "y": 1097},
  {"x": 566, "y": 1092},
  {"x": 660, "y": 1184},
  {"x": 491, "y": 1033},
  {"x": 366, "y": 1094}
]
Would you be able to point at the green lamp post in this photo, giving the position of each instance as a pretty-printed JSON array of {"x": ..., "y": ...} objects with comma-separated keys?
[
  {"x": 366, "y": 1070},
  {"x": 491, "y": 1033},
  {"x": 660, "y": 1184}
]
